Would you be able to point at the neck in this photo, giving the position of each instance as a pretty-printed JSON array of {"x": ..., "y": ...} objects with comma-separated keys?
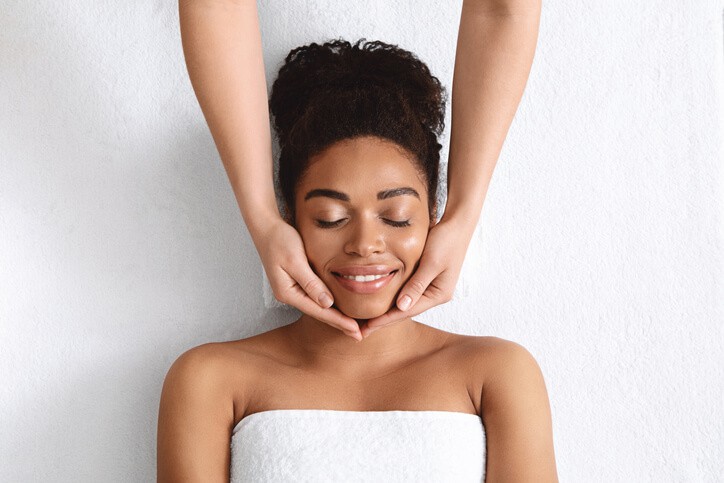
[{"x": 324, "y": 345}]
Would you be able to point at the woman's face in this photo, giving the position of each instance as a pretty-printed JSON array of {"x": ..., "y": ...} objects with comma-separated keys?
[{"x": 362, "y": 212}]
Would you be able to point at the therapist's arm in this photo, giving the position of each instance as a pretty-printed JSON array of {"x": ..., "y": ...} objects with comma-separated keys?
[
  {"x": 494, "y": 53},
  {"x": 222, "y": 46}
]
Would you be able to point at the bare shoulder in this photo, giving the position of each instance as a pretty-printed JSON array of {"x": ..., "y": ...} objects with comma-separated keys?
[
  {"x": 199, "y": 406},
  {"x": 227, "y": 363},
  {"x": 194, "y": 418},
  {"x": 202, "y": 357},
  {"x": 486, "y": 354},
  {"x": 200, "y": 377},
  {"x": 515, "y": 409},
  {"x": 229, "y": 354},
  {"x": 485, "y": 344},
  {"x": 501, "y": 356},
  {"x": 493, "y": 362},
  {"x": 207, "y": 364}
]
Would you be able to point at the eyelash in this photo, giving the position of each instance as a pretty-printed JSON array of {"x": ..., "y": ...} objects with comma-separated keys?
[{"x": 332, "y": 224}]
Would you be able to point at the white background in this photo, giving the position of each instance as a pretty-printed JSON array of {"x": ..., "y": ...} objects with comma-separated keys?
[{"x": 599, "y": 248}]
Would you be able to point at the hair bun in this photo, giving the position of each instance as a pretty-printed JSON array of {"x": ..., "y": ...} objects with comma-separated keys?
[
  {"x": 314, "y": 70},
  {"x": 328, "y": 92}
]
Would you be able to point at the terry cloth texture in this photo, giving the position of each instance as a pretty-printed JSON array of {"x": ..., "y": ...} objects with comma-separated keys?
[{"x": 319, "y": 445}]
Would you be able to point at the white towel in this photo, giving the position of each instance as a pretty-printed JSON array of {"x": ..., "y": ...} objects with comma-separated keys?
[{"x": 318, "y": 445}]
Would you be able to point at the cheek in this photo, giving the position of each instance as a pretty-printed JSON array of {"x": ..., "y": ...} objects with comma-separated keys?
[
  {"x": 318, "y": 245},
  {"x": 410, "y": 245}
]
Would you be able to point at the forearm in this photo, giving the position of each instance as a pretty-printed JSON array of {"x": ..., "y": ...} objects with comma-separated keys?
[
  {"x": 494, "y": 54},
  {"x": 222, "y": 47}
]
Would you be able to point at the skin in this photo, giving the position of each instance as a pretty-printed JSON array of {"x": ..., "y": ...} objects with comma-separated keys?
[
  {"x": 309, "y": 364},
  {"x": 495, "y": 47},
  {"x": 365, "y": 232}
]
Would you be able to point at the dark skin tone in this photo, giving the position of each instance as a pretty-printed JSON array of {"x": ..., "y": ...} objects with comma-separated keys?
[
  {"x": 311, "y": 365},
  {"x": 370, "y": 209},
  {"x": 223, "y": 50}
]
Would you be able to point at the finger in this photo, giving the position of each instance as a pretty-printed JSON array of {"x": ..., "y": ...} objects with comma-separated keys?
[
  {"x": 296, "y": 297},
  {"x": 395, "y": 315},
  {"x": 390, "y": 317},
  {"x": 312, "y": 285},
  {"x": 417, "y": 285}
]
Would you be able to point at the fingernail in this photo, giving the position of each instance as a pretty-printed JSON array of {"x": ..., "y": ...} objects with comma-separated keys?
[
  {"x": 325, "y": 300},
  {"x": 405, "y": 303},
  {"x": 357, "y": 337}
]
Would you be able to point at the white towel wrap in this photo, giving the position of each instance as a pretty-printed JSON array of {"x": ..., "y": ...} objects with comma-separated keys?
[{"x": 318, "y": 445}]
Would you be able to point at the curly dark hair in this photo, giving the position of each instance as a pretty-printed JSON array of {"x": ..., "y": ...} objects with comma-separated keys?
[{"x": 335, "y": 91}]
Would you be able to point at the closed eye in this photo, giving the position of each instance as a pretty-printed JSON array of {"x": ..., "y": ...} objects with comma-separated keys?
[
  {"x": 398, "y": 224},
  {"x": 329, "y": 224},
  {"x": 332, "y": 224}
]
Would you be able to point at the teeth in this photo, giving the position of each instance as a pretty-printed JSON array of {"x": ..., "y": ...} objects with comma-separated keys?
[{"x": 364, "y": 278}]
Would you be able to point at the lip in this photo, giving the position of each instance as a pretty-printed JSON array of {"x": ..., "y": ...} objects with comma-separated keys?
[
  {"x": 364, "y": 287},
  {"x": 363, "y": 270}
]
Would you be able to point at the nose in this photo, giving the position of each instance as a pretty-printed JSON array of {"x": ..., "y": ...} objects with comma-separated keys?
[{"x": 364, "y": 238}]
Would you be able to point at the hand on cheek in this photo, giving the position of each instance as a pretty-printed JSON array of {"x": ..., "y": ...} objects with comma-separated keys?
[{"x": 433, "y": 282}]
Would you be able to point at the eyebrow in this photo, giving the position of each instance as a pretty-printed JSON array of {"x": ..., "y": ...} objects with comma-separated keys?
[{"x": 382, "y": 195}]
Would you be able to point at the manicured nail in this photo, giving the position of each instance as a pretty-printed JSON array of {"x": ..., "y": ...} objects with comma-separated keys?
[
  {"x": 325, "y": 300},
  {"x": 405, "y": 303}
]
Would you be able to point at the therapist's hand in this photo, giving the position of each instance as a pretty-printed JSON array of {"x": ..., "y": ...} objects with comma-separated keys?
[
  {"x": 294, "y": 282},
  {"x": 433, "y": 283}
]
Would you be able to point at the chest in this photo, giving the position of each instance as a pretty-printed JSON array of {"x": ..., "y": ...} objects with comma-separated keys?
[{"x": 442, "y": 382}]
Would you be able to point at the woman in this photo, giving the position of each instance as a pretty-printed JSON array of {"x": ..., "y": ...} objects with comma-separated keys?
[
  {"x": 359, "y": 163},
  {"x": 495, "y": 48}
]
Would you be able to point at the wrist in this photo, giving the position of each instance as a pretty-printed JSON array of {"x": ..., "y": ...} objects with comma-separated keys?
[
  {"x": 260, "y": 221},
  {"x": 463, "y": 217}
]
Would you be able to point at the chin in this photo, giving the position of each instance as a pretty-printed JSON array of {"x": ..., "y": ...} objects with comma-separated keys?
[{"x": 363, "y": 310}]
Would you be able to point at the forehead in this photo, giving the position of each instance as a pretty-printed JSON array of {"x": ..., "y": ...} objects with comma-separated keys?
[{"x": 363, "y": 165}]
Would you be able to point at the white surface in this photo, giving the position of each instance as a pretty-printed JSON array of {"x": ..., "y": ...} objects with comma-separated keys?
[
  {"x": 599, "y": 248},
  {"x": 358, "y": 446}
]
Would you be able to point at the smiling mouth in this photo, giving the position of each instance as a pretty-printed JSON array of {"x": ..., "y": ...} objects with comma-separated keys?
[
  {"x": 364, "y": 284},
  {"x": 363, "y": 278}
]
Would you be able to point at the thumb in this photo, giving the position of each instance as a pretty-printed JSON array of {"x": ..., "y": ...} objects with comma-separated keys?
[
  {"x": 312, "y": 285},
  {"x": 416, "y": 286}
]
